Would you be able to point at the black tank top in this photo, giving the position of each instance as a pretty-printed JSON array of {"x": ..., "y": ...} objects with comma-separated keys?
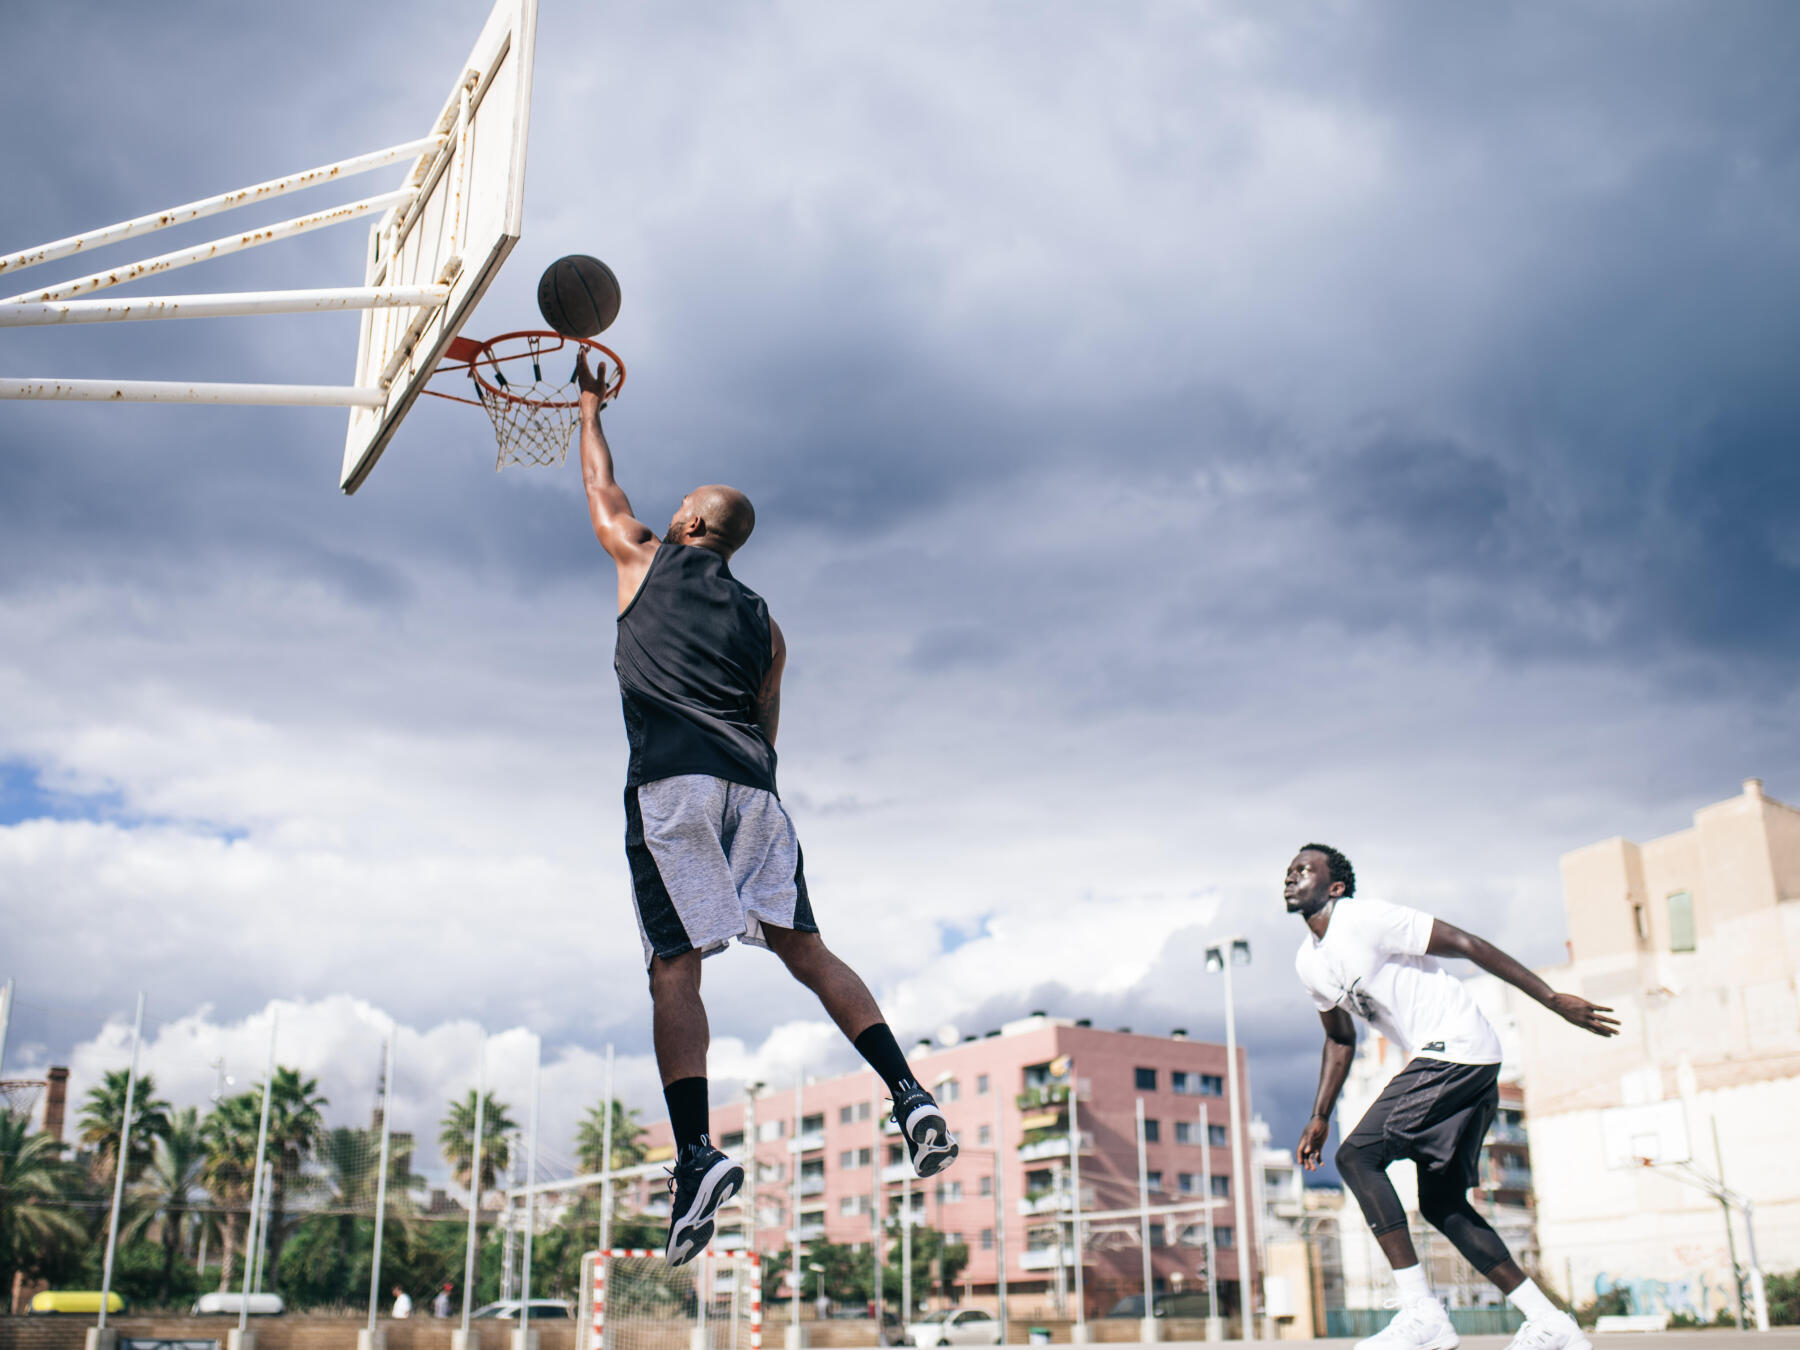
[{"x": 693, "y": 650}]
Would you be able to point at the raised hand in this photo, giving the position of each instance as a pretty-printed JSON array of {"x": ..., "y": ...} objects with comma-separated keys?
[
  {"x": 1312, "y": 1142},
  {"x": 1578, "y": 1011},
  {"x": 593, "y": 387}
]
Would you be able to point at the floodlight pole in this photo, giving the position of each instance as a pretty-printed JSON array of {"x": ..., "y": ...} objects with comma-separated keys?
[
  {"x": 537, "y": 1060},
  {"x": 1081, "y": 1331},
  {"x": 1225, "y": 955},
  {"x": 256, "y": 1186},
  {"x": 1147, "y": 1328},
  {"x": 387, "y": 1126},
  {"x": 124, "y": 1155},
  {"x": 468, "y": 1300},
  {"x": 6, "y": 1001},
  {"x": 1215, "y": 1324}
]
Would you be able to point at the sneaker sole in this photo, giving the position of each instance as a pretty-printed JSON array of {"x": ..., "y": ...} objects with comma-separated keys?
[
  {"x": 935, "y": 1147},
  {"x": 689, "y": 1234}
]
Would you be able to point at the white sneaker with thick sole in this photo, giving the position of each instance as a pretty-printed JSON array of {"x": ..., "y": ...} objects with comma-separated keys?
[
  {"x": 1420, "y": 1325},
  {"x": 1557, "y": 1331}
]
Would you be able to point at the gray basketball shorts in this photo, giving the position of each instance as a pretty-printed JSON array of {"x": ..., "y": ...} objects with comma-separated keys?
[{"x": 711, "y": 861}]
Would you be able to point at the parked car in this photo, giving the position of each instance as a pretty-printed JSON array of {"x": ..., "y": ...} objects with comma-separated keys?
[
  {"x": 228, "y": 1305},
  {"x": 542, "y": 1310},
  {"x": 1166, "y": 1305},
  {"x": 955, "y": 1326},
  {"x": 854, "y": 1314},
  {"x": 51, "y": 1302}
]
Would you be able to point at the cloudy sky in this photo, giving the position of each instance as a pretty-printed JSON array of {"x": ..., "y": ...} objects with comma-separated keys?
[{"x": 1177, "y": 432}]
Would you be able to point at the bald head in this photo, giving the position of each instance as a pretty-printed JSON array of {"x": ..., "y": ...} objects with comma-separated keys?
[{"x": 715, "y": 516}]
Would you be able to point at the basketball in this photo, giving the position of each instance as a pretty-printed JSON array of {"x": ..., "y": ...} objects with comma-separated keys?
[{"x": 578, "y": 296}]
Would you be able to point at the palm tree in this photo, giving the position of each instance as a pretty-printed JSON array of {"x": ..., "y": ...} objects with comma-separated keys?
[
  {"x": 181, "y": 1159},
  {"x": 105, "y": 1108},
  {"x": 229, "y": 1132},
  {"x": 295, "y": 1128},
  {"x": 456, "y": 1137},
  {"x": 627, "y": 1137},
  {"x": 33, "y": 1178}
]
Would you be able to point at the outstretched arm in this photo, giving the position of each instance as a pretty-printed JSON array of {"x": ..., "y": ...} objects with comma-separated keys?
[
  {"x": 1334, "y": 1067},
  {"x": 768, "y": 698},
  {"x": 1449, "y": 940},
  {"x": 624, "y": 536}
]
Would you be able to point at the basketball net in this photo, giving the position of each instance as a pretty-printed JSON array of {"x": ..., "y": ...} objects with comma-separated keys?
[
  {"x": 534, "y": 414},
  {"x": 19, "y": 1096}
]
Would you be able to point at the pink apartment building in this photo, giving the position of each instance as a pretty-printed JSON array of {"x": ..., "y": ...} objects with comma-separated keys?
[{"x": 1006, "y": 1096}]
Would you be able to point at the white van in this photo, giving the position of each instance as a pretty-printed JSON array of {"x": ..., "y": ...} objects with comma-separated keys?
[{"x": 229, "y": 1305}]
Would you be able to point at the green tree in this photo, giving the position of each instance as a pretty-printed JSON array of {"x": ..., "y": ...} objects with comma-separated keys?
[
  {"x": 36, "y": 1229},
  {"x": 628, "y": 1131},
  {"x": 295, "y": 1127},
  {"x": 456, "y": 1138},
  {"x": 229, "y": 1132},
  {"x": 104, "y": 1109},
  {"x": 169, "y": 1184}
]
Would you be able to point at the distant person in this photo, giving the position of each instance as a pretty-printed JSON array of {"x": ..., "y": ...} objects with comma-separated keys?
[
  {"x": 440, "y": 1306},
  {"x": 712, "y": 852},
  {"x": 1374, "y": 959},
  {"x": 402, "y": 1303}
]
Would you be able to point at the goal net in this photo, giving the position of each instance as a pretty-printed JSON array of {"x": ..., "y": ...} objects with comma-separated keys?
[{"x": 635, "y": 1300}]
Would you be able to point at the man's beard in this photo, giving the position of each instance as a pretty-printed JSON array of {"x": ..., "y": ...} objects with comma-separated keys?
[
  {"x": 1306, "y": 909},
  {"x": 673, "y": 536}
]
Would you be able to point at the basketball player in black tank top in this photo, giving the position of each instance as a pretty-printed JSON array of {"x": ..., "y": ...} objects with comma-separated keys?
[{"x": 712, "y": 852}]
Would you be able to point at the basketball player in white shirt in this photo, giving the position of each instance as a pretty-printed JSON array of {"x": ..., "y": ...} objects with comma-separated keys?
[{"x": 1374, "y": 959}]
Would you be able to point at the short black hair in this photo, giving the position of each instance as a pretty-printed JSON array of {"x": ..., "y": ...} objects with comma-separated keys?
[{"x": 1341, "y": 870}]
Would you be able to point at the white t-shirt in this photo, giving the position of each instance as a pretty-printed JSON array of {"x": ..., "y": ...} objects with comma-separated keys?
[{"x": 1372, "y": 962}]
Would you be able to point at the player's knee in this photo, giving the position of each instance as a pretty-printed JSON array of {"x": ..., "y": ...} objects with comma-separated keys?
[
  {"x": 1436, "y": 1204},
  {"x": 674, "y": 976},
  {"x": 1351, "y": 1160}
]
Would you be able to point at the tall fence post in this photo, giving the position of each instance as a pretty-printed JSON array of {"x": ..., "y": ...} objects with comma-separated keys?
[
  {"x": 372, "y": 1339},
  {"x": 102, "y": 1337},
  {"x": 242, "y": 1338},
  {"x": 524, "y": 1337},
  {"x": 462, "y": 1340}
]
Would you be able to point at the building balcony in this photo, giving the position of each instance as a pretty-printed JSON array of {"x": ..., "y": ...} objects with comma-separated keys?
[
  {"x": 899, "y": 1171},
  {"x": 812, "y": 1185},
  {"x": 1056, "y": 1146},
  {"x": 1046, "y": 1258},
  {"x": 1503, "y": 1133},
  {"x": 811, "y": 1231},
  {"x": 808, "y": 1142},
  {"x": 1043, "y": 1098},
  {"x": 1050, "y": 1202}
]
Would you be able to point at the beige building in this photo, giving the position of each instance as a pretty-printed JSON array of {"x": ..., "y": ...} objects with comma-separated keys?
[{"x": 1694, "y": 940}]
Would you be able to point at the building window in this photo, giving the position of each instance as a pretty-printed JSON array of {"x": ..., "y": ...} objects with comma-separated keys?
[
  {"x": 847, "y": 1159},
  {"x": 812, "y": 1124},
  {"x": 1223, "y": 1237},
  {"x": 1221, "y": 1187},
  {"x": 732, "y": 1141},
  {"x": 985, "y": 1135},
  {"x": 1186, "y": 1182},
  {"x": 865, "y": 1157},
  {"x": 953, "y": 1239},
  {"x": 846, "y": 1115},
  {"x": 981, "y": 1085},
  {"x": 1152, "y": 1131},
  {"x": 1215, "y": 1135},
  {"x": 1157, "y": 1238},
  {"x": 1153, "y": 1179},
  {"x": 949, "y": 1192},
  {"x": 771, "y": 1129},
  {"x": 862, "y": 1110},
  {"x": 987, "y": 1239},
  {"x": 949, "y": 1090},
  {"x": 987, "y": 1186},
  {"x": 1681, "y": 922},
  {"x": 853, "y": 1204},
  {"x": 1184, "y": 1131},
  {"x": 1211, "y": 1085},
  {"x": 1036, "y": 1075},
  {"x": 895, "y": 1153},
  {"x": 1178, "y": 1082},
  {"x": 1146, "y": 1080}
]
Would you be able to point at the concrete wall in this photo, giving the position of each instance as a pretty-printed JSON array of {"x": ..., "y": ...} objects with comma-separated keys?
[{"x": 274, "y": 1333}]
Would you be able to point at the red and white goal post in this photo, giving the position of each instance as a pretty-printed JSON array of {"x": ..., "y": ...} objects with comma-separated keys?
[{"x": 632, "y": 1299}]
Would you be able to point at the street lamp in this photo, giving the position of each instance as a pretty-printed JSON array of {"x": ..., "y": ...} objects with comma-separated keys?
[{"x": 1220, "y": 958}]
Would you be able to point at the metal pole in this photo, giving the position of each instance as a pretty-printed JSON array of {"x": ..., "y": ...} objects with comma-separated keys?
[
  {"x": 531, "y": 1128},
  {"x": 468, "y": 1301},
  {"x": 262, "y": 1145},
  {"x": 387, "y": 1127},
  {"x": 1215, "y": 1324},
  {"x": 1730, "y": 1237},
  {"x": 262, "y": 1228},
  {"x": 906, "y": 1298},
  {"x": 1759, "y": 1295},
  {"x": 225, "y": 201},
  {"x": 26, "y": 314},
  {"x": 1000, "y": 1214},
  {"x": 794, "y": 1301},
  {"x": 877, "y": 1230},
  {"x": 1149, "y": 1324},
  {"x": 124, "y": 1154},
  {"x": 1241, "y": 1239},
  {"x": 192, "y": 391},
  {"x": 219, "y": 248},
  {"x": 1075, "y": 1183},
  {"x": 606, "y": 1131},
  {"x": 6, "y": 999}
]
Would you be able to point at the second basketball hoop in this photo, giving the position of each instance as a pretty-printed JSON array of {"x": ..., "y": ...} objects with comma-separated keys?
[{"x": 526, "y": 384}]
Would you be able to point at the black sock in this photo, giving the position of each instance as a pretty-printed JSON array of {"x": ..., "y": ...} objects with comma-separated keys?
[
  {"x": 878, "y": 1046},
  {"x": 687, "y": 1111}
]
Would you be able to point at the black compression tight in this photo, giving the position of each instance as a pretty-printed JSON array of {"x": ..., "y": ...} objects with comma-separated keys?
[{"x": 1443, "y": 1203}]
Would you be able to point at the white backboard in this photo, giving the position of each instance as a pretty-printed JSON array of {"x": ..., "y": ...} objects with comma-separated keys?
[
  {"x": 460, "y": 230},
  {"x": 1655, "y": 1133}
]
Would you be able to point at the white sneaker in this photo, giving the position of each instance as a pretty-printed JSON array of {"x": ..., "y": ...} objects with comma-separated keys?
[
  {"x": 1420, "y": 1325},
  {"x": 1556, "y": 1331}
]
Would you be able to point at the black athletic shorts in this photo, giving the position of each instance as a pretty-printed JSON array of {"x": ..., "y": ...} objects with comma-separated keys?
[{"x": 1436, "y": 1113}]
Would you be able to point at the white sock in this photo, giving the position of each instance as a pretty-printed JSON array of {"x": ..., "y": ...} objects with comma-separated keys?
[
  {"x": 1531, "y": 1301},
  {"x": 1414, "y": 1287}
]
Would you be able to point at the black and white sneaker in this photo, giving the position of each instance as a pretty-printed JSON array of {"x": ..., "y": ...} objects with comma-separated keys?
[
  {"x": 927, "y": 1135},
  {"x": 703, "y": 1179}
]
